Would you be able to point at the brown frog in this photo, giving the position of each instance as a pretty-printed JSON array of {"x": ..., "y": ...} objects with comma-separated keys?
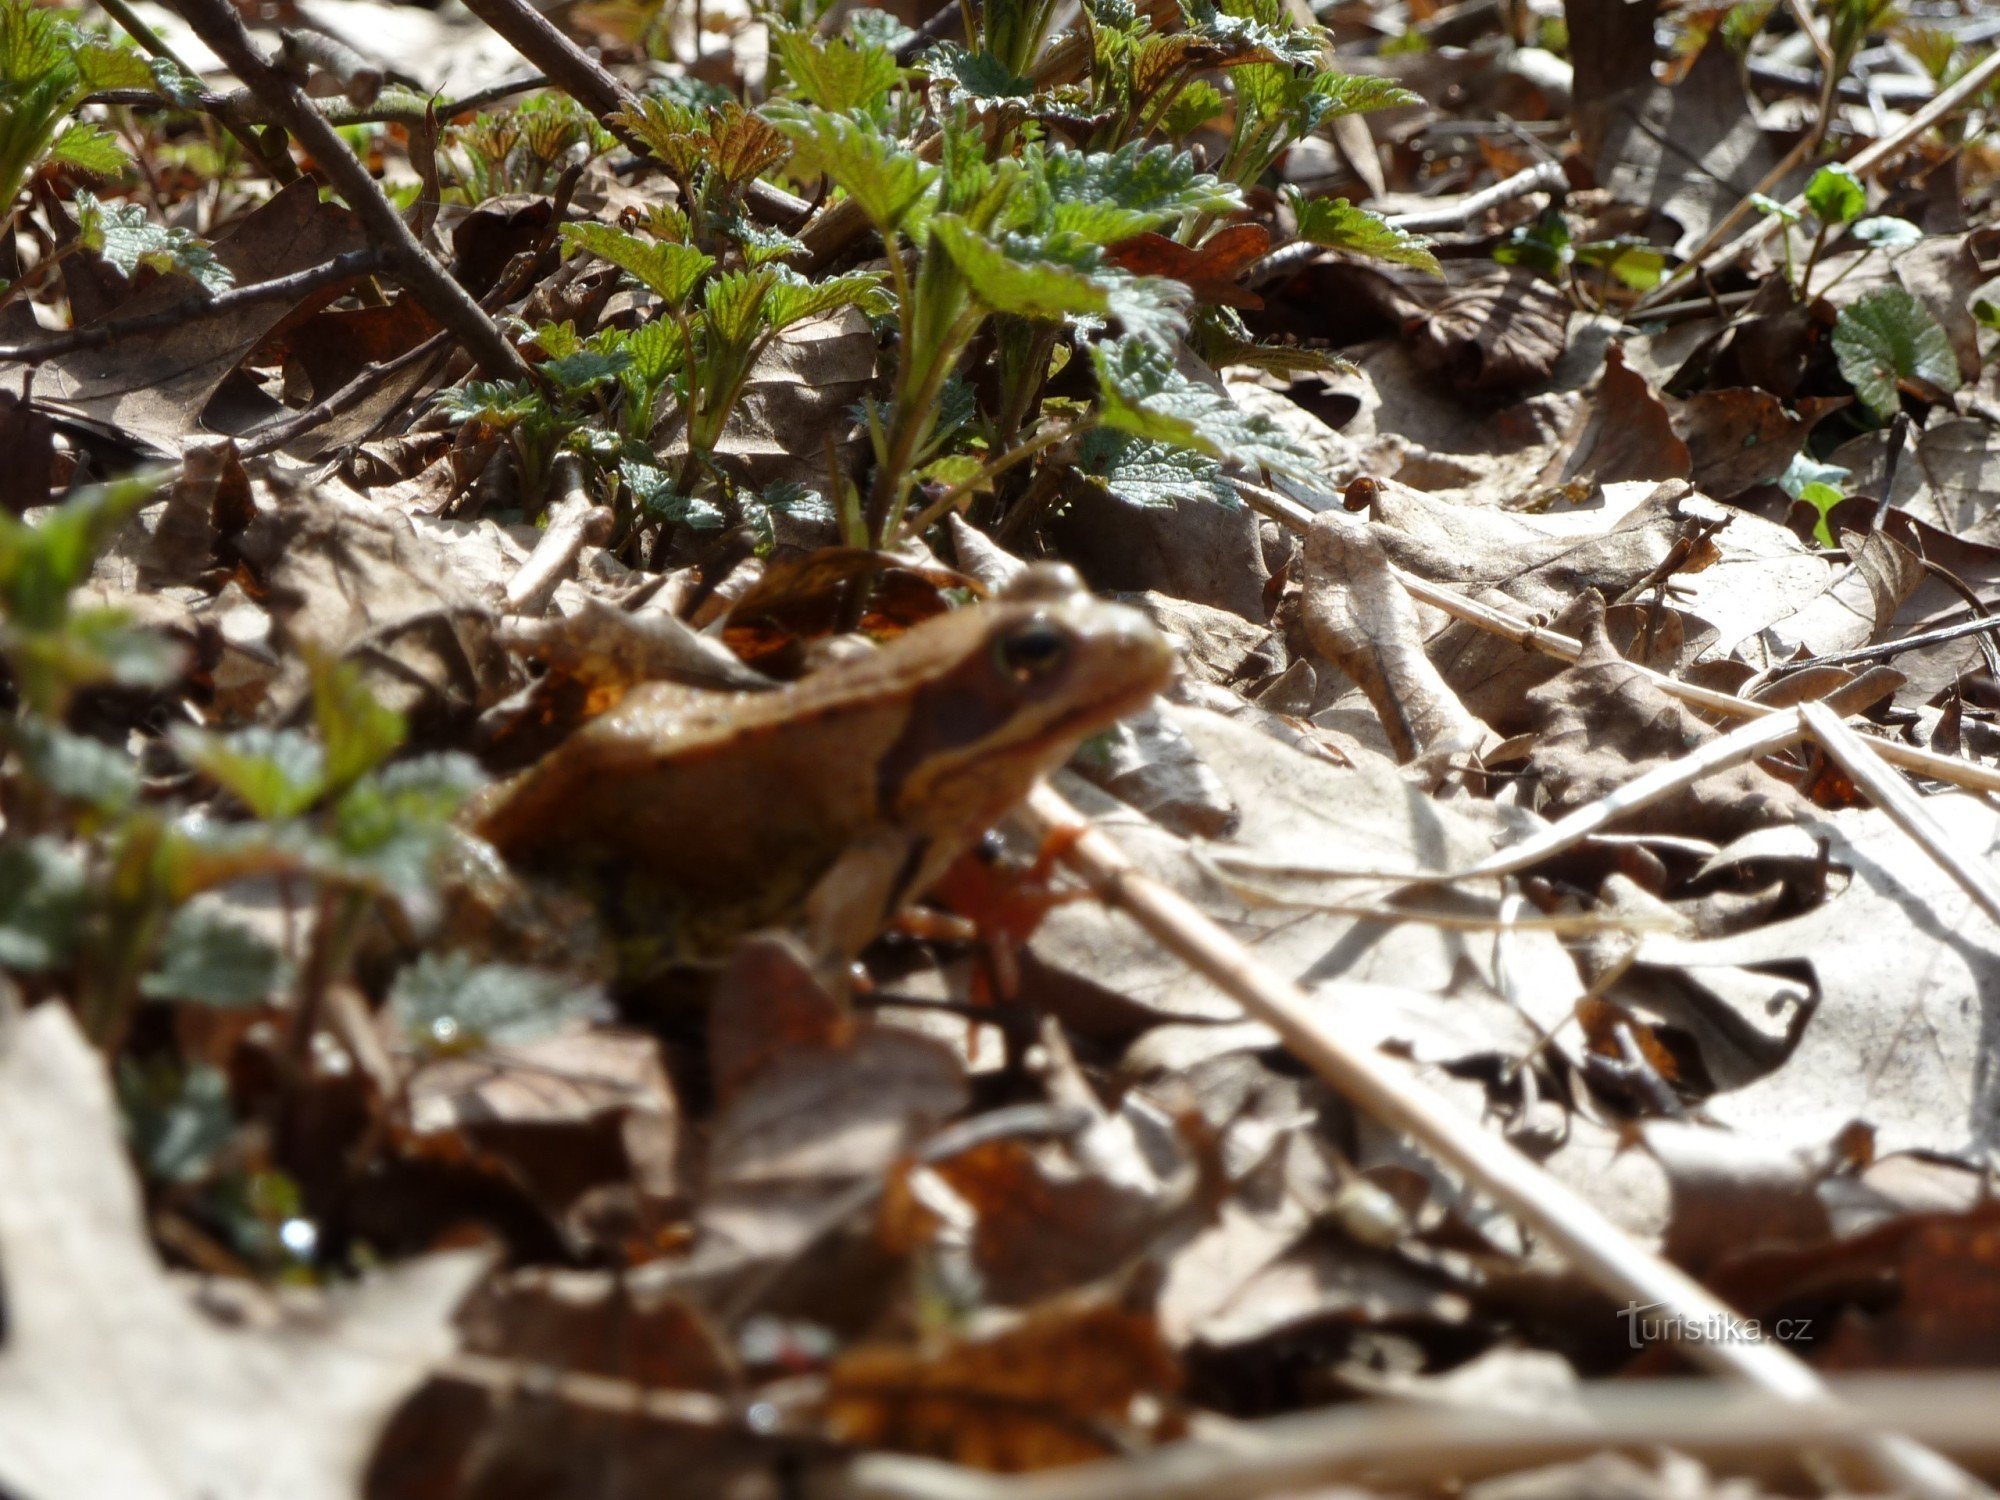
[{"x": 839, "y": 798}]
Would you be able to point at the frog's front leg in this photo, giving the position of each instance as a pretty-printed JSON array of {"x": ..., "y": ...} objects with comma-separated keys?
[{"x": 871, "y": 880}]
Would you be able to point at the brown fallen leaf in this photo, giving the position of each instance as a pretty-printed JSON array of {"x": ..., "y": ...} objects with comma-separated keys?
[
  {"x": 1209, "y": 270},
  {"x": 1602, "y": 723},
  {"x": 1064, "y": 1383},
  {"x": 152, "y": 388},
  {"x": 112, "y": 1381}
]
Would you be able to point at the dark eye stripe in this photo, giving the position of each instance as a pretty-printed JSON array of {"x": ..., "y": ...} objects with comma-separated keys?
[{"x": 955, "y": 712}]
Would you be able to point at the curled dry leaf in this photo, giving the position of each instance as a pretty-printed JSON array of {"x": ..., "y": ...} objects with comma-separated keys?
[{"x": 1363, "y": 620}]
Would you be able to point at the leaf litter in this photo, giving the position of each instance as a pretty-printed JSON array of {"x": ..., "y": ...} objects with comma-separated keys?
[{"x": 1559, "y": 867}]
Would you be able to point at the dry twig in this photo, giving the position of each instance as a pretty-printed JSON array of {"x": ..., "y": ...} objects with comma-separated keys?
[{"x": 216, "y": 23}]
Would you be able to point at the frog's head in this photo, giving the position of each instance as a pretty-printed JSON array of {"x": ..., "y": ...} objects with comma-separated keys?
[{"x": 1010, "y": 688}]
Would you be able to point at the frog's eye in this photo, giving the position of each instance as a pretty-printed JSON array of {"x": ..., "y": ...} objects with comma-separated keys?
[{"x": 1030, "y": 652}]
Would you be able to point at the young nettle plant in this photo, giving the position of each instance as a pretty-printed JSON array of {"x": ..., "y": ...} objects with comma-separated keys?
[
  {"x": 522, "y": 150},
  {"x": 48, "y": 66},
  {"x": 99, "y": 887}
]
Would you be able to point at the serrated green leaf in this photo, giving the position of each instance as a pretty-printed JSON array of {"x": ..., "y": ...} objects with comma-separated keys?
[
  {"x": 793, "y": 299},
  {"x": 1836, "y": 195},
  {"x": 448, "y": 1002},
  {"x": 1141, "y": 393},
  {"x": 42, "y": 887},
  {"x": 884, "y": 177},
  {"x": 126, "y": 239},
  {"x": 1002, "y": 279},
  {"x": 1195, "y": 106},
  {"x": 89, "y": 149},
  {"x": 841, "y": 73},
  {"x": 276, "y": 773},
  {"x": 1336, "y": 223},
  {"x": 1152, "y": 473},
  {"x": 979, "y": 74},
  {"x": 1102, "y": 196},
  {"x": 1359, "y": 93},
  {"x": 733, "y": 304},
  {"x": 102, "y": 65},
  {"x": 174, "y": 81},
  {"x": 586, "y": 368},
  {"x": 498, "y": 403},
  {"x": 656, "y": 350},
  {"x": 654, "y": 489},
  {"x": 207, "y": 958},
  {"x": 1887, "y": 338},
  {"x": 669, "y": 271}
]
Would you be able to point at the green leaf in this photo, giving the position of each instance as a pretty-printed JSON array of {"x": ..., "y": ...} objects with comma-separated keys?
[
  {"x": 180, "y": 1119},
  {"x": 447, "y": 1002},
  {"x": 208, "y": 958},
  {"x": 1836, "y": 195},
  {"x": 1152, "y": 473},
  {"x": 76, "y": 767},
  {"x": 105, "y": 65},
  {"x": 390, "y": 826},
  {"x": 358, "y": 732},
  {"x": 126, "y": 239},
  {"x": 1635, "y": 263},
  {"x": 793, "y": 299},
  {"x": 42, "y": 563},
  {"x": 1143, "y": 394},
  {"x": 276, "y": 773},
  {"x": 89, "y": 149},
  {"x": 669, "y": 271},
  {"x": 1005, "y": 280},
  {"x": 497, "y": 403},
  {"x": 1888, "y": 234},
  {"x": 882, "y": 175},
  {"x": 1822, "y": 498},
  {"x": 839, "y": 73},
  {"x": 578, "y": 372},
  {"x": 1359, "y": 93},
  {"x": 41, "y": 904},
  {"x": 1771, "y": 208},
  {"x": 1339, "y": 224},
  {"x": 655, "y": 350},
  {"x": 654, "y": 489},
  {"x": 733, "y": 304},
  {"x": 1887, "y": 338},
  {"x": 1102, "y": 196},
  {"x": 1196, "y": 104},
  {"x": 980, "y": 74}
]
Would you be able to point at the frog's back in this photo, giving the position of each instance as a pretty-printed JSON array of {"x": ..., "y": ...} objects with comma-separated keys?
[{"x": 717, "y": 791}]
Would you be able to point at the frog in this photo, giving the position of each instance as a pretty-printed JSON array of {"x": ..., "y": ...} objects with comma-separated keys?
[{"x": 826, "y": 806}]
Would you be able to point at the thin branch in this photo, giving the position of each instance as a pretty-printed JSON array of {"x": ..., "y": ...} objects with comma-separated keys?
[
  {"x": 1386, "y": 1090},
  {"x": 198, "y": 309},
  {"x": 216, "y": 23},
  {"x": 277, "y": 163},
  {"x": 1900, "y": 802},
  {"x": 1388, "y": 1446}
]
